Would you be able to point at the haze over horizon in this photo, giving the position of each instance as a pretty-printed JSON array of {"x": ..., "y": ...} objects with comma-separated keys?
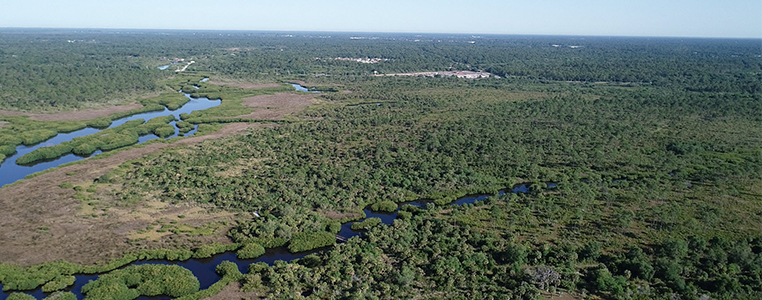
[{"x": 678, "y": 18}]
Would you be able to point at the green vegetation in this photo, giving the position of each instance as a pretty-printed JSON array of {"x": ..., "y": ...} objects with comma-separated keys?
[
  {"x": 230, "y": 107},
  {"x": 185, "y": 127},
  {"x": 58, "y": 275},
  {"x": 61, "y": 296},
  {"x": 99, "y": 123},
  {"x": 144, "y": 280},
  {"x": 25, "y": 131},
  {"x": 109, "y": 139},
  {"x": 229, "y": 272},
  {"x": 628, "y": 177},
  {"x": 44, "y": 71},
  {"x": 385, "y": 206},
  {"x": 250, "y": 251},
  {"x": 7, "y": 149},
  {"x": 58, "y": 284},
  {"x": 304, "y": 241},
  {"x": 436, "y": 254},
  {"x": 21, "y": 296},
  {"x": 36, "y": 136},
  {"x": 655, "y": 144},
  {"x": 366, "y": 224},
  {"x": 207, "y": 251}
]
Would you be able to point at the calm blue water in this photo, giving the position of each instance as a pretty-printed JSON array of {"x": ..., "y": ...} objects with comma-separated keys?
[
  {"x": 204, "y": 269},
  {"x": 10, "y": 172},
  {"x": 300, "y": 88}
]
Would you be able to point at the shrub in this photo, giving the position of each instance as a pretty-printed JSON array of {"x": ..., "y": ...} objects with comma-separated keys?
[
  {"x": 207, "y": 251},
  {"x": 601, "y": 279},
  {"x": 250, "y": 251},
  {"x": 185, "y": 127},
  {"x": 367, "y": 224},
  {"x": 87, "y": 148},
  {"x": 20, "y": 296},
  {"x": 172, "y": 101},
  {"x": 45, "y": 153},
  {"x": 333, "y": 227},
  {"x": 99, "y": 123},
  {"x": 37, "y": 136},
  {"x": 305, "y": 241},
  {"x": 12, "y": 140},
  {"x": 227, "y": 268},
  {"x": 8, "y": 150},
  {"x": 59, "y": 283},
  {"x": 385, "y": 206},
  {"x": 118, "y": 140},
  {"x": 164, "y": 131},
  {"x": 147, "y": 280},
  {"x": 62, "y": 296},
  {"x": 208, "y": 128}
]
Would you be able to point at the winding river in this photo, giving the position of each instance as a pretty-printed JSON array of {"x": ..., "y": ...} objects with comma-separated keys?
[
  {"x": 11, "y": 172},
  {"x": 203, "y": 269}
]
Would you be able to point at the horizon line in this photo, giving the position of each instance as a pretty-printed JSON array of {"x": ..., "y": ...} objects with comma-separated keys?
[{"x": 386, "y": 32}]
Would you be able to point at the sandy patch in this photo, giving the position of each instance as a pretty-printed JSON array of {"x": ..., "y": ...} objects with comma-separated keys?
[
  {"x": 77, "y": 115},
  {"x": 42, "y": 222},
  {"x": 306, "y": 84},
  {"x": 150, "y": 236},
  {"x": 233, "y": 291},
  {"x": 246, "y": 85},
  {"x": 562, "y": 296},
  {"x": 274, "y": 107},
  {"x": 459, "y": 74}
]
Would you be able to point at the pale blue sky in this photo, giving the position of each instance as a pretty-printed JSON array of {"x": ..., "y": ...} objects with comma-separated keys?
[{"x": 687, "y": 18}]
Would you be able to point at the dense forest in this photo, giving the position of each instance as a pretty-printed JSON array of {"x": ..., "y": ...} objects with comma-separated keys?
[
  {"x": 653, "y": 146},
  {"x": 50, "y": 70}
]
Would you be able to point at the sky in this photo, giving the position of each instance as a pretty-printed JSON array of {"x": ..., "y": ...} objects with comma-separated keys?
[{"x": 677, "y": 18}]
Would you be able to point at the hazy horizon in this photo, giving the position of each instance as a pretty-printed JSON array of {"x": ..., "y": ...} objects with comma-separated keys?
[
  {"x": 639, "y": 18},
  {"x": 475, "y": 34}
]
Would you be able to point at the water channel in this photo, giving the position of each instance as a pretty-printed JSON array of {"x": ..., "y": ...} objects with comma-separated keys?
[
  {"x": 11, "y": 172},
  {"x": 204, "y": 269}
]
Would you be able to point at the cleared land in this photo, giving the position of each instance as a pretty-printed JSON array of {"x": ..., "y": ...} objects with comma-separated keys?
[
  {"x": 275, "y": 107},
  {"x": 233, "y": 291},
  {"x": 245, "y": 85},
  {"x": 41, "y": 221},
  {"x": 459, "y": 74},
  {"x": 76, "y": 115}
]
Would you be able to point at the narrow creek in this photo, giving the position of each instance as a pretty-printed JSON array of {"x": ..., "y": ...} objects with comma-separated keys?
[
  {"x": 11, "y": 172},
  {"x": 204, "y": 269},
  {"x": 300, "y": 88}
]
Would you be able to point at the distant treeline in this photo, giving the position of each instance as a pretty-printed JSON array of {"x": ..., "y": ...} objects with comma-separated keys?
[{"x": 60, "y": 70}]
